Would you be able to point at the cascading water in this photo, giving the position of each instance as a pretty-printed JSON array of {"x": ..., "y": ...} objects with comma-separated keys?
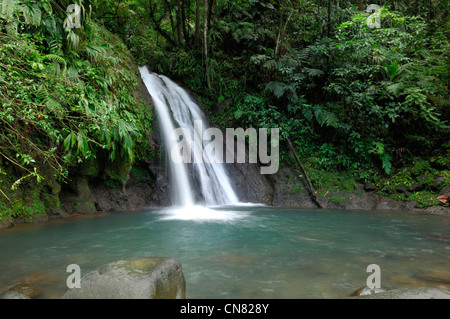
[{"x": 175, "y": 108}]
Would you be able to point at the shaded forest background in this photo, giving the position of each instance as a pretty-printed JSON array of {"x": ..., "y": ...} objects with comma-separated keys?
[{"x": 361, "y": 95}]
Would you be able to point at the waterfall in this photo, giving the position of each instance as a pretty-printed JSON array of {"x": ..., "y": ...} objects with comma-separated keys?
[{"x": 175, "y": 109}]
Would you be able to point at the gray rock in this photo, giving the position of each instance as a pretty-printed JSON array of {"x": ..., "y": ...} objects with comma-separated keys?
[
  {"x": 289, "y": 190},
  {"x": 401, "y": 189},
  {"x": 249, "y": 184},
  {"x": 414, "y": 188},
  {"x": 13, "y": 294},
  {"x": 134, "y": 278},
  {"x": 438, "y": 210},
  {"x": 439, "y": 182},
  {"x": 6, "y": 222},
  {"x": 364, "y": 291},
  {"x": 28, "y": 289},
  {"x": 368, "y": 187},
  {"x": 446, "y": 191},
  {"x": 409, "y": 293}
]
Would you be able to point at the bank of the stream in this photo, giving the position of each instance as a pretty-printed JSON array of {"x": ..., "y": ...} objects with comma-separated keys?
[{"x": 148, "y": 187}]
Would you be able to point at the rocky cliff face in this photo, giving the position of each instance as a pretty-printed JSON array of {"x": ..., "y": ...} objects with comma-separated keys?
[{"x": 287, "y": 189}]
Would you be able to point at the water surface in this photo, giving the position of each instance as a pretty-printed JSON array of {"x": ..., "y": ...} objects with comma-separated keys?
[{"x": 240, "y": 252}]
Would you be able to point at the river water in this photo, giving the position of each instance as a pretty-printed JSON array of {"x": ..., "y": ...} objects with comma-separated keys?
[{"x": 240, "y": 252}]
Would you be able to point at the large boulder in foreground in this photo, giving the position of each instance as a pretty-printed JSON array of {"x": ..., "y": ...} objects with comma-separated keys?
[
  {"x": 134, "y": 278},
  {"x": 409, "y": 293}
]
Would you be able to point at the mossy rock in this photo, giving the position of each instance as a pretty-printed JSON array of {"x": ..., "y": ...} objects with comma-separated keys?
[
  {"x": 79, "y": 199},
  {"x": 118, "y": 170},
  {"x": 6, "y": 222},
  {"x": 338, "y": 198},
  {"x": 90, "y": 168},
  {"x": 133, "y": 278}
]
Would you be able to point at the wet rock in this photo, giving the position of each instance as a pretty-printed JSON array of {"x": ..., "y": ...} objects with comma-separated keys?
[
  {"x": 161, "y": 195},
  {"x": 96, "y": 196},
  {"x": 438, "y": 210},
  {"x": 407, "y": 281},
  {"x": 37, "y": 285},
  {"x": 249, "y": 184},
  {"x": 289, "y": 190},
  {"x": 29, "y": 290},
  {"x": 6, "y": 222},
  {"x": 13, "y": 294},
  {"x": 77, "y": 197},
  {"x": 364, "y": 291},
  {"x": 410, "y": 293},
  {"x": 440, "y": 276},
  {"x": 134, "y": 278},
  {"x": 38, "y": 278}
]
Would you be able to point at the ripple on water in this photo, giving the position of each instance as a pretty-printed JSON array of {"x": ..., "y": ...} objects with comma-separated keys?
[{"x": 243, "y": 252}]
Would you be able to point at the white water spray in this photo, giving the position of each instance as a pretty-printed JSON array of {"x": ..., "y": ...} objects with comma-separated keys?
[{"x": 175, "y": 108}]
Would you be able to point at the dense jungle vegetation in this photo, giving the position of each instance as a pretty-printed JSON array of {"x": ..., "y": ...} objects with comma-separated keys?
[{"x": 361, "y": 91}]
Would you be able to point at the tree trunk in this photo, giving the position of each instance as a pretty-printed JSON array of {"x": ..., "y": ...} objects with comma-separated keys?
[
  {"x": 172, "y": 25},
  {"x": 197, "y": 22},
  {"x": 310, "y": 187},
  {"x": 158, "y": 27},
  {"x": 178, "y": 20},
  {"x": 183, "y": 23},
  {"x": 329, "y": 19},
  {"x": 205, "y": 42},
  {"x": 281, "y": 32}
]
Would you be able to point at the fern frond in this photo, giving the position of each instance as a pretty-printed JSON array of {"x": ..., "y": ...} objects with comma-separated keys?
[
  {"x": 42, "y": 93},
  {"x": 11, "y": 27},
  {"x": 55, "y": 58},
  {"x": 55, "y": 67},
  {"x": 73, "y": 40},
  {"x": 303, "y": 55},
  {"x": 7, "y": 9},
  {"x": 314, "y": 72},
  {"x": 52, "y": 104},
  {"x": 55, "y": 46},
  {"x": 94, "y": 51},
  {"x": 278, "y": 88},
  {"x": 32, "y": 14}
]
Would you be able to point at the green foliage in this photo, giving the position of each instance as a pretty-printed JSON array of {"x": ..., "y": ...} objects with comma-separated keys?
[
  {"x": 66, "y": 96},
  {"x": 331, "y": 181},
  {"x": 112, "y": 183},
  {"x": 415, "y": 183},
  {"x": 352, "y": 99},
  {"x": 141, "y": 174}
]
